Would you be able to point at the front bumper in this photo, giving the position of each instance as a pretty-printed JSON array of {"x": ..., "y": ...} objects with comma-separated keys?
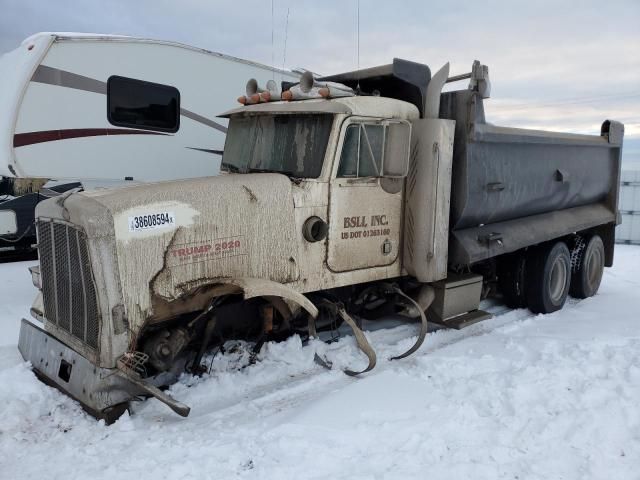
[{"x": 102, "y": 392}]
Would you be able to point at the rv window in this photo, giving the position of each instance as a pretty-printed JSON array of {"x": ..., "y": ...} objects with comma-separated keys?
[{"x": 138, "y": 104}]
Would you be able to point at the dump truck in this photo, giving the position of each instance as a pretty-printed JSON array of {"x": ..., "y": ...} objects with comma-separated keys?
[{"x": 348, "y": 197}]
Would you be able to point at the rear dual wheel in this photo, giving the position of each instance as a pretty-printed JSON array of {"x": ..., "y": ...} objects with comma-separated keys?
[
  {"x": 588, "y": 269},
  {"x": 548, "y": 278},
  {"x": 542, "y": 279},
  {"x": 511, "y": 279}
]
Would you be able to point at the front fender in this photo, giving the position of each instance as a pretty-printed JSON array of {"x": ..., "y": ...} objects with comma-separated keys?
[{"x": 258, "y": 287}]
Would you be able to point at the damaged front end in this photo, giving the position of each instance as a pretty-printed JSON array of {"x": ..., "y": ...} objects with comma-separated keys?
[
  {"x": 126, "y": 310},
  {"x": 248, "y": 309},
  {"x": 104, "y": 393},
  {"x": 65, "y": 351}
]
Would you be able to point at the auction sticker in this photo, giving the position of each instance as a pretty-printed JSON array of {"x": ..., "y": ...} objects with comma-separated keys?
[{"x": 150, "y": 221}]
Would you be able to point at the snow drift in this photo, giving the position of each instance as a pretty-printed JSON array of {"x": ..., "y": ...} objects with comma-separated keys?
[{"x": 518, "y": 396}]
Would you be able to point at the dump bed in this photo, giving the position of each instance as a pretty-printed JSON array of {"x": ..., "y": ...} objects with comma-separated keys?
[{"x": 513, "y": 187}]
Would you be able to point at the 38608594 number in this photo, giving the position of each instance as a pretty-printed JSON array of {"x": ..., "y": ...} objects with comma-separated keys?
[{"x": 152, "y": 220}]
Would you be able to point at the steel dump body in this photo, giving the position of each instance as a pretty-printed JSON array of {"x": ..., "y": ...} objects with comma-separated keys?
[{"x": 504, "y": 179}]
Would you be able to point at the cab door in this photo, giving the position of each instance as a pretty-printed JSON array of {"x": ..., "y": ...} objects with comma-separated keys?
[{"x": 366, "y": 195}]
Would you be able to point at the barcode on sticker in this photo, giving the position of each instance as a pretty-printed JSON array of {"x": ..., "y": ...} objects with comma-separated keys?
[{"x": 150, "y": 221}]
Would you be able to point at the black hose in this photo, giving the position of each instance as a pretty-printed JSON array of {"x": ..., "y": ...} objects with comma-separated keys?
[{"x": 24, "y": 234}]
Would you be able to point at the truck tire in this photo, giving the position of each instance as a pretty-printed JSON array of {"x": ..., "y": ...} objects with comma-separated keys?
[
  {"x": 548, "y": 278},
  {"x": 588, "y": 269},
  {"x": 511, "y": 278}
]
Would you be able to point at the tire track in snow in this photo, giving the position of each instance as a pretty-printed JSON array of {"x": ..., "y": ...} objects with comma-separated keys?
[{"x": 310, "y": 381}]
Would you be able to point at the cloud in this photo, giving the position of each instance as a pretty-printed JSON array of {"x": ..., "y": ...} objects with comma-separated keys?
[{"x": 541, "y": 54}]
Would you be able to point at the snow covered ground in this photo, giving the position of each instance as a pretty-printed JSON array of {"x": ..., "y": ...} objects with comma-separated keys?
[{"x": 518, "y": 397}]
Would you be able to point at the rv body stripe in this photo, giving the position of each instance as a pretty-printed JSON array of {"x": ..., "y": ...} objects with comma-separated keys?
[
  {"x": 203, "y": 120},
  {"x": 206, "y": 150},
  {"x": 63, "y": 78},
  {"x": 29, "y": 138}
]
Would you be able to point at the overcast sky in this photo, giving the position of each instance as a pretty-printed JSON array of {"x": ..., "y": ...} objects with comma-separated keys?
[{"x": 561, "y": 65}]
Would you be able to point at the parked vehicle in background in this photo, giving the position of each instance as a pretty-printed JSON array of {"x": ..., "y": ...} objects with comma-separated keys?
[
  {"x": 86, "y": 110},
  {"x": 629, "y": 229}
]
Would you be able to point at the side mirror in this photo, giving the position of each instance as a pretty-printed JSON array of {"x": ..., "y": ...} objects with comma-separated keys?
[{"x": 397, "y": 145}]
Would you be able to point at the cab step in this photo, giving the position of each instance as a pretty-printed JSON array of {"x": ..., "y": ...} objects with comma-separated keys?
[{"x": 461, "y": 321}]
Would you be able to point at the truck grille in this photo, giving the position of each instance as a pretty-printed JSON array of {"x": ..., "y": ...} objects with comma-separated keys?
[{"x": 68, "y": 289}]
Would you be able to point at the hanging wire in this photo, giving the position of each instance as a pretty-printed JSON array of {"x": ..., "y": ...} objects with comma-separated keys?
[
  {"x": 24, "y": 234},
  {"x": 284, "y": 52},
  {"x": 358, "y": 46},
  {"x": 273, "y": 51}
]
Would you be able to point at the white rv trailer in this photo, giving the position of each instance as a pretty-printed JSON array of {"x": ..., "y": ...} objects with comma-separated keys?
[{"x": 99, "y": 109}]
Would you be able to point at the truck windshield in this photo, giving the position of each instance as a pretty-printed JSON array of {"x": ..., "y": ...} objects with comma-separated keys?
[{"x": 290, "y": 144}]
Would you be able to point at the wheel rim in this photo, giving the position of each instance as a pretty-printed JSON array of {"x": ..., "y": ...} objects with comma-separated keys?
[
  {"x": 558, "y": 280},
  {"x": 594, "y": 266}
]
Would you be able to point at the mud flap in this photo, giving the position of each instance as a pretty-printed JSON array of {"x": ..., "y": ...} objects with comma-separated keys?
[
  {"x": 423, "y": 326},
  {"x": 361, "y": 339}
]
